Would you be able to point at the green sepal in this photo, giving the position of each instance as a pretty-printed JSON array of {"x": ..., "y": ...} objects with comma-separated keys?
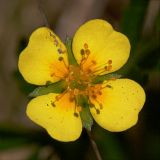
[
  {"x": 71, "y": 58},
  {"x": 57, "y": 87},
  {"x": 100, "y": 79},
  {"x": 86, "y": 117}
]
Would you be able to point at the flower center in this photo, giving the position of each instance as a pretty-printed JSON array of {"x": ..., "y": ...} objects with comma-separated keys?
[
  {"x": 79, "y": 82},
  {"x": 77, "y": 78},
  {"x": 79, "y": 85}
]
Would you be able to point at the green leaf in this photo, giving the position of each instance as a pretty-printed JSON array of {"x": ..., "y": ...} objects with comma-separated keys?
[
  {"x": 56, "y": 87},
  {"x": 100, "y": 79},
  {"x": 85, "y": 114},
  {"x": 12, "y": 142},
  {"x": 71, "y": 58}
]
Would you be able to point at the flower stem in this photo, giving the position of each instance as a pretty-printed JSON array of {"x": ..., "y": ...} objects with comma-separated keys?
[{"x": 94, "y": 146}]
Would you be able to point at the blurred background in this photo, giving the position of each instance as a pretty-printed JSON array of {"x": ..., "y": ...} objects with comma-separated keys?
[{"x": 20, "y": 139}]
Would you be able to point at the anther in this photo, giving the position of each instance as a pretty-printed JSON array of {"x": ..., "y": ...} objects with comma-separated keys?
[
  {"x": 60, "y": 58},
  {"x": 76, "y": 114},
  {"x": 106, "y": 68},
  {"x": 53, "y": 104},
  {"x": 86, "y": 46},
  {"x": 109, "y": 61},
  {"x": 57, "y": 98},
  {"x": 94, "y": 96},
  {"x": 87, "y": 51},
  {"x": 82, "y": 52},
  {"x": 60, "y": 51},
  {"x": 97, "y": 111},
  {"x": 52, "y": 35},
  {"x": 55, "y": 42}
]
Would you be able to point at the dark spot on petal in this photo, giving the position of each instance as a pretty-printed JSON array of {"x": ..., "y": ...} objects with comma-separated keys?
[
  {"x": 60, "y": 51},
  {"x": 82, "y": 51},
  {"x": 87, "y": 51},
  {"x": 109, "y": 86},
  {"x": 76, "y": 114},
  {"x": 60, "y": 58},
  {"x": 97, "y": 111},
  {"x": 53, "y": 104}
]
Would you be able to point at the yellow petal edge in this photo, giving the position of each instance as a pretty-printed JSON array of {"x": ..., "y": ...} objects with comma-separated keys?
[
  {"x": 104, "y": 44},
  {"x": 38, "y": 62},
  {"x": 121, "y": 105},
  {"x": 59, "y": 120}
]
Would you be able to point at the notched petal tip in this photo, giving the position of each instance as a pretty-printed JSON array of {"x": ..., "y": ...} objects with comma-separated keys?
[
  {"x": 58, "y": 120},
  {"x": 121, "y": 105},
  {"x": 39, "y": 61},
  {"x": 104, "y": 44}
]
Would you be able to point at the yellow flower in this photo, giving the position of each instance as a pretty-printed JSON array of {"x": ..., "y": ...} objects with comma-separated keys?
[{"x": 98, "y": 50}]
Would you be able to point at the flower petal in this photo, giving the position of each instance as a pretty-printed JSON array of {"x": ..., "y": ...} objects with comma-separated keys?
[
  {"x": 39, "y": 61},
  {"x": 58, "y": 120},
  {"x": 122, "y": 100},
  {"x": 104, "y": 45}
]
